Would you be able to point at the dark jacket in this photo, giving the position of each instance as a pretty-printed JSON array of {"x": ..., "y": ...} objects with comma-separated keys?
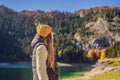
[{"x": 52, "y": 75}]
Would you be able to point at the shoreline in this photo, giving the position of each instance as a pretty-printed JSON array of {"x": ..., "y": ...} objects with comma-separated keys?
[
  {"x": 75, "y": 64},
  {"x": 58, "y": 63}
]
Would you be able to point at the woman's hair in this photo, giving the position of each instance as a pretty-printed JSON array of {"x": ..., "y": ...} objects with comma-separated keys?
[{"x": 50, "y": 47}]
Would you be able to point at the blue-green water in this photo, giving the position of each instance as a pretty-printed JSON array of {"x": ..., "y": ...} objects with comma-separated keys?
[
  {"x": 20, "y": 71},
  {"x": 71, "y": 71}
]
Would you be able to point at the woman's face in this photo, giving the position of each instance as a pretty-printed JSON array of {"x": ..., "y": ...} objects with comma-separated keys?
[{"x": 52, "y": 34}]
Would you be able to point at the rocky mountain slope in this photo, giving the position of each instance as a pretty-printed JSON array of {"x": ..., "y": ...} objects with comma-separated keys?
[{"x": 104, "y": 34}]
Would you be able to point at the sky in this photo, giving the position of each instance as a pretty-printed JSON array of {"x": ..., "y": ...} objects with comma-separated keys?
[{"x": 60, "y": 5}]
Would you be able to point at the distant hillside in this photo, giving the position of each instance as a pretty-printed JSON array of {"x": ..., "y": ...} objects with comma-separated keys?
[
  {"x": 75, "y": 33},
  {"x": 96, "y": 10},
  {"x": 5, "y": 10}
]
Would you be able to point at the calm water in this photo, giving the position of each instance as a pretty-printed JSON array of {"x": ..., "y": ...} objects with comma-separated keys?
[{"x": 20, "y": 71}]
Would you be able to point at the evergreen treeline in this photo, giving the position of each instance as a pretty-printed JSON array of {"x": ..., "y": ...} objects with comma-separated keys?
[
  {"x": 114, "y": 52},
  {"x": 17, "y": 31}
]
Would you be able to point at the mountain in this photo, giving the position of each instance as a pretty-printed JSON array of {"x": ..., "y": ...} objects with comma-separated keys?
[
  {"x": 75, "y": 33},
  {"x": 5, "y": 10},
  {"x": 28, "y": 13},
  {"x": 104, "y": 28},
  {"x": 95, "y": 10},
  {"x": 104, "y": 34}
]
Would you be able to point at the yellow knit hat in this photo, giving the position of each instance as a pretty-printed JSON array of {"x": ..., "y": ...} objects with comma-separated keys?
[{"x": 43, "y": 30}]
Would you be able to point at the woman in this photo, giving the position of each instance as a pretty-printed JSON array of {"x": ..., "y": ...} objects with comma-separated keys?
[{"x": 43, "y": 60}]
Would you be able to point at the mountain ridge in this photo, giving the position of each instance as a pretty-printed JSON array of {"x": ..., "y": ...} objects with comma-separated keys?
[
  {"x": 94, "y": 10},
  {"x": 81, "y": 11}
]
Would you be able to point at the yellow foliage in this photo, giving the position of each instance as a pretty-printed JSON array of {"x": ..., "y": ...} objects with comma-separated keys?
[
  {"x": 96, "y": 50},
  {"x": 102, "y": 56},
  {"x": 99, "y": 53},
  {"x": 90, "y": 54},
  {"x": 59, "y": 53},
  {"x": 117, "y": 59},
  {"x": 111, "y": 59}
]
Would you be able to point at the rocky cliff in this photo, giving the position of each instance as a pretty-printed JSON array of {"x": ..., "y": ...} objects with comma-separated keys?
[{"x": 104, "y": 34}]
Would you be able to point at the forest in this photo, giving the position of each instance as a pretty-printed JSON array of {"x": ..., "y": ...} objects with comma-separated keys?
[{"x": 17, "y": 30}]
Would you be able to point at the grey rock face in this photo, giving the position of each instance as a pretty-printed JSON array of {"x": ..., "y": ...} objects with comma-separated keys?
[
  {"x": 105, "y": 34},
  {"x": 101, "y": 42}
]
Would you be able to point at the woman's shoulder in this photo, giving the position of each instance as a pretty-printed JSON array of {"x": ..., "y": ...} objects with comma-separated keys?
[
  {"x": 41, "y": 51},
  {"x": 41, "y": 47}
]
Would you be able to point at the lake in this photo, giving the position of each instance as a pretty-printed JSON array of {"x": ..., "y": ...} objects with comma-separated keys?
[{"x": 23, "y": 71}]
